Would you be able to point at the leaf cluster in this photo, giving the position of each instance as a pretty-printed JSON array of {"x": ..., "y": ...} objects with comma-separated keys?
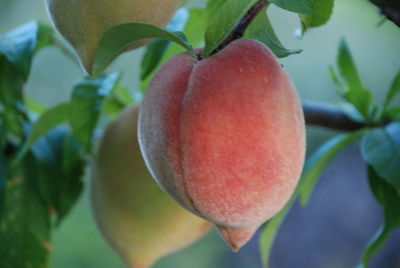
[{"x": 43, "y": 151}]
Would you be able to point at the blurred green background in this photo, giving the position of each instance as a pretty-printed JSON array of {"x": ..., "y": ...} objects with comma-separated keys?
[{"x": 376, "y": 50}]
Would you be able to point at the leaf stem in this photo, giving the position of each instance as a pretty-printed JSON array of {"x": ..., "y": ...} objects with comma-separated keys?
[{"x": 238, "y": 31}]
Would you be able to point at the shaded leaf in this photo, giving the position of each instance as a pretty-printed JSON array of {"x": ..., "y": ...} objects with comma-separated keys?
[
  {"x": 86, "y": 104},
  {"x": 224, "y": 20},
  {"x": 3, "y": 167},
  {"x": 152, "y": 56},
  {"x": 380, "y": 149},
  {"x": 261, "y": 30},
  {"x": 393, "y": 90},
  {"x": 302, "y": 6},
  {"x": 322, "y": 10},
  {"x": 389, "y": 198},
  {"x": 156, "y": 49},
  {"x": 119, "y": 38},
  {"x": 317, "y": 162},
  {"x": 393, "y": 129},
  {"x": 194, "y": 26},
  {"x": 25, "y": 223},
  {"x": 48, "y": 120},
  {"x": 393, "y": 112},
  {"x": 270, "y": 231},
  {"x": 61, "y": 164},
  {"x": 12, "y": 110},
  {"x": 117, "y": 100},
  {"x": 17, "y": 48},
  {"x": 20, "y": 44}
]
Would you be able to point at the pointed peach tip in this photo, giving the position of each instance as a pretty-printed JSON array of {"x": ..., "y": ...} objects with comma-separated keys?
[
  {"x": 141, "y": 264},
  {"x": 237, "y": 237}
]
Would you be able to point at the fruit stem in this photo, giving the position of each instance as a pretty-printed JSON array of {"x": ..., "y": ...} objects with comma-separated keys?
[{"x": 241, "y": 27}]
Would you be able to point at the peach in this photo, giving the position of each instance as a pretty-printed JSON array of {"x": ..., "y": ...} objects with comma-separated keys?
[
  {"x": 225, "y": 136},
  {"x": 137, "y": 218},
  {"x": 84, "y": 22}
]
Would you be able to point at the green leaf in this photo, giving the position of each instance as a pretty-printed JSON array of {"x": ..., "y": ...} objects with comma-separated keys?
[
  {"x": 48, "y": 120},
  {"x": 322, "y": 10},
  {"x": 156, "y": 49},
  {"x": 333, "y": 76},
  {"x": 73, "y": 167},
  {"x": 317, "y": 162},
  {"x": 212, "y": 8},
  {"x": 393, "y": 112},
  {"x": 389, "y": 198},
  {"x": 393, "y": 90},
  {"x": 20, "y": 44},
  {"x": 3, "y": 167},
  {"x": 393, "y": 129},
  {"x": 25, "y": 222},
  {"x": 227, "y": 17},
  {"x": 361, "y": 99},
  {"x": 17, "y": 48},
  {"x": 86, "y": 104},
  {"x": 382, "y": 151},
  {"x": 302, "y": 6},
  {"x": 33, "y": 105},
  {"x": 119, "y": 38},
  {"x": 3, "y": 179},
  {"x": 194, "y": 26},
  {"x": 261, "y": 30},
  {"x": 270, "y": 231},
  {"x": 152, "y": 56},
  {"x": 61, "y": 164},
  {"x": 117, "y": 100},
  {"x": 347, "y": 67},
  {"x": 353, "y": 89},
  {"x": 12, "y": 110},
  {"x": 45, "y": 37}
]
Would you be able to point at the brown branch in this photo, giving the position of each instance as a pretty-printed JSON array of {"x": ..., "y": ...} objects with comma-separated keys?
[
  {"x": 390, "y": 9},
  {"x": 241, "y": 27},
  {"x": 315, "y": 114},
  {"x": 325, "y": 115}
]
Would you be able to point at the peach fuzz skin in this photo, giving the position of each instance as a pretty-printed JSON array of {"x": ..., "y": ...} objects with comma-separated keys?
[{"x": 225, "y": 136}]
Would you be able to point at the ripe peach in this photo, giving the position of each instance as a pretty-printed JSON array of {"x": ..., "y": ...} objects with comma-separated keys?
[
  {"x": 84, "y": 22},
  {"x": 225, "y": 136},
  {"x": 137, "y": 218}
]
